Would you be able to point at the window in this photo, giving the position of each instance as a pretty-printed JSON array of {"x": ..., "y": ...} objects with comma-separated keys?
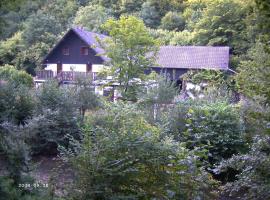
[
  {"x": 65, "y": 51},
  {"x": 84, "y": 51}
]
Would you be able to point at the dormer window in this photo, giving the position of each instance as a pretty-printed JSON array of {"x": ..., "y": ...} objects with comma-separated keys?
[
  {"x": 84, "y": 51},
  {"x": 65, "y": 51}
]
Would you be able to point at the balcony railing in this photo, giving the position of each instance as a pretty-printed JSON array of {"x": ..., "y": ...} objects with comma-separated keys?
[
  {"x": 72, "y": 76},
  {"x": 44, "y": 75},
  {"x": 66, "y": 76}
]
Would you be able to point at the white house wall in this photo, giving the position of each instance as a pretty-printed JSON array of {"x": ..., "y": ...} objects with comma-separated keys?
[
  {"x": 74, "y": 67},
  {"x": 52, "y": 67}
]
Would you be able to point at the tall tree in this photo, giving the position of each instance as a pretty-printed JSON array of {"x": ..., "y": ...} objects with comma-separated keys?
[
  {"x": 254, "y": 75},
  {"x": 91, "y": 17},
  {"x": 128, "y": 49},
  {"x": 222, "y": 23}
]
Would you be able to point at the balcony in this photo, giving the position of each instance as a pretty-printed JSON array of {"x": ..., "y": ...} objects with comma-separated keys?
[{"x": 61, "y": 77}]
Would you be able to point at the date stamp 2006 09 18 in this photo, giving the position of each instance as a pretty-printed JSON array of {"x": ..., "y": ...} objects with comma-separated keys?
[{"x": 33, "y": 185}]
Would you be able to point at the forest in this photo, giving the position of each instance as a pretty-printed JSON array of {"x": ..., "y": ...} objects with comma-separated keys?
[{"x": 151, "y": 144}]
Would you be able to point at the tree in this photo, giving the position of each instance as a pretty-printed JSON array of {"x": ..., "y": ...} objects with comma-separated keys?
[
  {"x": 130, "y": 6},
  {"x": 36, "y": 27},
  {"x": 128, "y": 49},
  {"x": 254, "y": 73},
  {"x": 173, "y": 21},
  {"x": 221, "y": 23},
  {"x": 10, "y": 48},
  {"x": 56, "y": 119},
  {"x": 91, "y": 17},
  {"x": 153, "y": 10},
  {"x": 253, "y": 181},
  {"x": 86, "y": 99},
  {"x": 158, "y": 97},
  {"x": 264, "y": 10},
  {"x": 16, "y": 103},
  {"x": 14, "y": 76},
  {"x": 63, "y": 11},
  {"x": 150, "y": 15}
]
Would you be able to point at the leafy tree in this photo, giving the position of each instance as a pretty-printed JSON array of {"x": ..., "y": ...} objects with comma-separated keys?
[
  {"x": 91, "y": 17},
  {"x": 173, "y": 21},
  {"x": 157, "y": 98},
  {"x": 17, "y": 103},
  {"x": 14, "y": 149},
  {"x": 130, "y": 6},
  {"x": 219, "y": 127},
  {"x": 56, "y": 118},
  {"x": 254, "y": 73},
  {"x": 153, "y": 10},
  {"x": 128, "y": 50},
  {"x": 264, "y": 10},
  {"x": 164, "y": 36},
  {"x": 184, "y": 38},
  {"x": 114, "y": 4},
  {"x": 150, "y": 15},
  {"x": 10, "y": 48},
  {"x": 222, "y": 24},
  {"x": 14, "y": 76},
  {"x": 193, "y": 12},
  {"x": 86, "y": 99},
  {"x": 63, "y": 11},
  {"x": 37, "y": 25}
]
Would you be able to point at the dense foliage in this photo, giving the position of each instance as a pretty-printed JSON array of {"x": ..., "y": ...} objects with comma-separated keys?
[
  {"x": 156, "y": 143},
  {"x": 128, "y": 50},
  {"x": 123, "y": 156}
]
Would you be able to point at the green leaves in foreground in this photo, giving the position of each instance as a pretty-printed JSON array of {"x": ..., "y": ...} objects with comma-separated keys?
[{"x": 124, "y": 157}]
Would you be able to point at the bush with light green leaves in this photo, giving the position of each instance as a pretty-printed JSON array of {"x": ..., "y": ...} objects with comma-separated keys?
[{"x": 124, "y": 157}]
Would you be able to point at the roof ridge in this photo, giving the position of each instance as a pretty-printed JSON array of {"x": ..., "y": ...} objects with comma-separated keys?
[{"x": 83, "y": 30}]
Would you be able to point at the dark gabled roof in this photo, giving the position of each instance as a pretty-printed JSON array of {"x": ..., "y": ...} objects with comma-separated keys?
[
  {"x": 193, "y": 57},
  {"x": 88, "y": 37},
  {"x": 180, "y": 57}
]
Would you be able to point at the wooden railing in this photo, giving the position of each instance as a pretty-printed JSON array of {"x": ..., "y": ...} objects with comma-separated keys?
[
  {"x": 72, "y": 76},
  {"x": 66, "y": 76},
  {"x": 44, "y": 74}
]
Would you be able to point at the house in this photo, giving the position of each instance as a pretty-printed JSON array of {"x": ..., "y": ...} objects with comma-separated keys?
[{"x": 78, "y": 52}]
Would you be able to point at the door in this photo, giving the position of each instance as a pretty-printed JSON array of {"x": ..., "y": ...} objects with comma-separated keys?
[
  {"x": 88, "y": 67},
  {"x": 59, "y": 68}
]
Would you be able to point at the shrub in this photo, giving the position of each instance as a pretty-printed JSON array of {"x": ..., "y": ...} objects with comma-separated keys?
[
  {"x": 124, "y": 157},
  {"x": 17, "y": 103},
  {"x": 56, "y": 118},
  {"x": 173, "y": 21},
  {"x": 216, "y": 125},
  {"x": 86, "y": 99},
  {"x": 253, "y": 181},
  {"x": 17, "y": 77},
  {"x": 14, "y": 150},
  {"x": 158, "y": 98}
]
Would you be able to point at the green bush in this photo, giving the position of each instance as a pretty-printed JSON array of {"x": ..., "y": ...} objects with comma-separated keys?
[
  {"x": 173, "y": 21},
  {"x": 14, "y": 150},
  {"x": 124, "y": 157},
  {"x": 57, "y": 117},
  {"x": 214, "y": 125},
  {"x": 156, "y": 101},
  {"x": 17, "y": 103},
  {"x": 253, "y": 181},
  {"x": 17, "y": 77}
]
